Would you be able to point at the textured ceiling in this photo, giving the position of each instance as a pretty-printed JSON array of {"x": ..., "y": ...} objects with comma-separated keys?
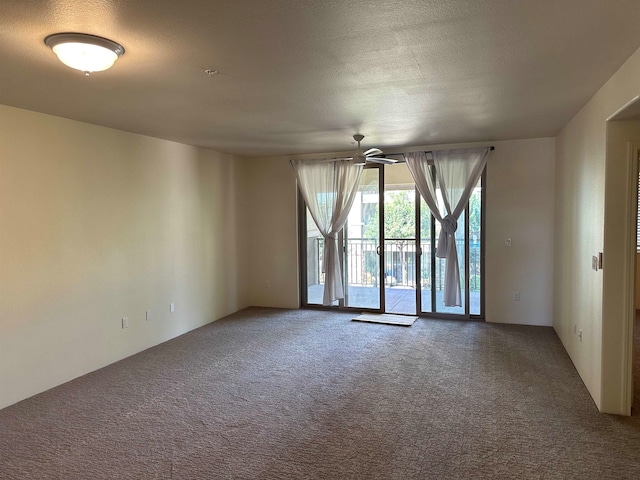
[{"x": 302, "y": 76}]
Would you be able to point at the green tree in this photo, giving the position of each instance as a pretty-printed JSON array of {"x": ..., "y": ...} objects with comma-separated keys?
[{"x": 399, "y": 216}]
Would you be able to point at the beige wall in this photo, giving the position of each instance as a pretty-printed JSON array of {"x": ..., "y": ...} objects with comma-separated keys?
[
  {"x": 581, "y": 163},
  {"x": 96, "y": 224},
  {"x": 519, "y": 205},
  {"x": 271, "y": 232}
]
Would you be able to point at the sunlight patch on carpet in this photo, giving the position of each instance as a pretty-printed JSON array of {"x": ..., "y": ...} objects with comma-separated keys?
[{"x": 403, "y": 320}]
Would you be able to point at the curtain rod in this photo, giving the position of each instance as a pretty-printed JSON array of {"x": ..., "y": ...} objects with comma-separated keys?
[
  {"x": 431, "y": 151},
  {"x": 323, "y": 160}
]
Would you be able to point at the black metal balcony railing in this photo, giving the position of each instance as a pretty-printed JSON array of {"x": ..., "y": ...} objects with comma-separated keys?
[{"x": 361, "y": 263}]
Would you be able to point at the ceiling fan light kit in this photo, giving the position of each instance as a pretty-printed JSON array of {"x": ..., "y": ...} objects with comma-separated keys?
[{"x": 84, "y": 52}]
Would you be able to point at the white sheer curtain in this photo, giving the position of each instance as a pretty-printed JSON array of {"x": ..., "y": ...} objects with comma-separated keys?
[
  {"x": 329, "y": 189},
  {"x": 458, "y": 172}
]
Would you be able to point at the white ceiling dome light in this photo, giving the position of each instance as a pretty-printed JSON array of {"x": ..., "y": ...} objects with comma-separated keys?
[{"x": 87, "y": 53}]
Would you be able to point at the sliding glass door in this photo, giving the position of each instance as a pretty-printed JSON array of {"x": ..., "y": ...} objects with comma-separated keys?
[{"x": 389, "y": 261}]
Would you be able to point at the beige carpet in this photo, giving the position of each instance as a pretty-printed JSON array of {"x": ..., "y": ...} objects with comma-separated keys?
[{"x": 277, "y": 394}]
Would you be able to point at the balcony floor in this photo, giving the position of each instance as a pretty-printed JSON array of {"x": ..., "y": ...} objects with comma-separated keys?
[{"x": 398, "y": 299}]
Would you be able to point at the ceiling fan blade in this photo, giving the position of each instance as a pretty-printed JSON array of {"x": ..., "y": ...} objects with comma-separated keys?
[
  {"x": 373, "y": 151},
  {"x": 383, "y": 161}
]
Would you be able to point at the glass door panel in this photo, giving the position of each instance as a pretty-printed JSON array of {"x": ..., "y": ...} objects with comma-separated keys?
[
  {"x": 427, "y": 265},
  {"x": 361, "y": 245},
  {"x": 468, "y": 238},
  {"x": 475, "y": 239},
  {"x": 315, "y": 275},
  {"x": 400, "y": 267}
]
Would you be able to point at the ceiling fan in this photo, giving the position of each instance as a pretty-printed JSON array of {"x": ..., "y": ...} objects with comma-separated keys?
[{"x": 371, "y": 155}]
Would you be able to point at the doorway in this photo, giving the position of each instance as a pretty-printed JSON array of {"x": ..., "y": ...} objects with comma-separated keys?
[
  {"x": 635, "y": 350},
  {"x": 401, "y": 242},
  {"x": 389, "y": 262}
]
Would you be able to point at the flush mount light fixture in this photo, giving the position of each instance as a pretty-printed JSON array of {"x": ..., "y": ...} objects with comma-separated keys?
[{"x": 87, "y": 53}]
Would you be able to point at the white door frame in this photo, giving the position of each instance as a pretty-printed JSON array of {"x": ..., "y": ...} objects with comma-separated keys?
[{"x": 630, "y": 274}]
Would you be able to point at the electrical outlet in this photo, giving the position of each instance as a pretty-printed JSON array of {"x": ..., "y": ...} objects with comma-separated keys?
[
  {"x": 125, "y": 322},
  {"x": 148, "y": 315},
  {"x": 516, "y": 296},
  {"x": 172, "y": 307},
  {"x": 580, "y": 335},
  {"x": 268, "y": 284},
  {"x": 507, "y": 242}
]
